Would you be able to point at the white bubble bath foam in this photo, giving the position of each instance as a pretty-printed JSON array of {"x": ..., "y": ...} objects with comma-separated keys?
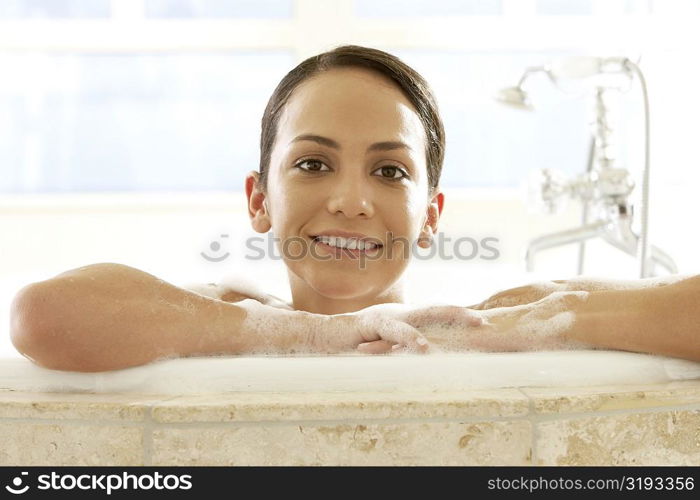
[{"x": 352, "y": 373}]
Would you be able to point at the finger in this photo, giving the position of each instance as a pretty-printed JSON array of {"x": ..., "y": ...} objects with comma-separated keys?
[
  {"x": 399, "y": 332},
  {"x": 475, "y": 319},
  {"x": 375, "y": 347},
  {"x": 497, "y": 302}
]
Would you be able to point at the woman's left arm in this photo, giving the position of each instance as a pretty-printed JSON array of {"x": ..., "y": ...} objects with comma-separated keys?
[
  {"x": 536, "y": 291},
  {"x": 662, "y": 320},
  {"x": 658, "y": 320}
]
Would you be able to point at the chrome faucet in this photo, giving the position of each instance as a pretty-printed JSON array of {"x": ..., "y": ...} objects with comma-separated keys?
[{"x": 604, "y": 189}]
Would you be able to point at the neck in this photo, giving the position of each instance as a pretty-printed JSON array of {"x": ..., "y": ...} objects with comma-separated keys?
[{"x": 305, "y": 298}]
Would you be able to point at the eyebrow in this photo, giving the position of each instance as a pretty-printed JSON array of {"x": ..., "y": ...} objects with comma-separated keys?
[{"x": 325, "y": 141}]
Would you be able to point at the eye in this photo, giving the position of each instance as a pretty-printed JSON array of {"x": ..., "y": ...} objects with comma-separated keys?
[
  {"x": 315, "y": 166},
  {"x": 393, "y": 169},
  {"x": 315, "y": 163}
]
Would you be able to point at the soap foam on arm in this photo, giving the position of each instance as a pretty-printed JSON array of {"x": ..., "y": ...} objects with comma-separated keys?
[{"x": 541, "y": 325}]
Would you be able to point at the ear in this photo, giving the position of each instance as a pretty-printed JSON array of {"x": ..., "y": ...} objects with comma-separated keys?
[
  {"x": 434, "y": 210},
  {"x": 432, "y": 216},
  {"x": 257, "y": 211}
]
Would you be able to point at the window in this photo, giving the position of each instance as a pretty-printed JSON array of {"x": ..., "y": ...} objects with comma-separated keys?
[
  {"x": 401, "y": 8},
  {"x": 183, "y": 9},
  {"x": 131, "y": 122},
  {"x": 167, "y": 95},
  {"x": 54, "y": 9}
]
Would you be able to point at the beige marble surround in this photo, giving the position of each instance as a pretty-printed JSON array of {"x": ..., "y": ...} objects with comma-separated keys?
[{"x": 611, "y": 425}]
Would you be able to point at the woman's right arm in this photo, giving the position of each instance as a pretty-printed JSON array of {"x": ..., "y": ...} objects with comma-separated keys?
[{"x": 111, "y": 316}]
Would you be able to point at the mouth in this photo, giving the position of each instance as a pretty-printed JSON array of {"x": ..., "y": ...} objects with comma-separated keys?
[{"x": 338, "y": 250}]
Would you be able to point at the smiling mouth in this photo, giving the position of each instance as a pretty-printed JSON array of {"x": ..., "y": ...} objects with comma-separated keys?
[{"x": 377, "y": 246}]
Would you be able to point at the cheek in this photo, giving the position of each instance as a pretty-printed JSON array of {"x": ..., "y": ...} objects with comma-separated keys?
[
  {"x": 414, "y": 210},
  {"x": 291, "y": 207},
  {"x": 405, "y": 218}
]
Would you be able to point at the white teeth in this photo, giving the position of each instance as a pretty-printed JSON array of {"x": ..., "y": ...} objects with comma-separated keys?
[
  {"x": 349, "y": 243},
  {"x": 361, "y": 245}
]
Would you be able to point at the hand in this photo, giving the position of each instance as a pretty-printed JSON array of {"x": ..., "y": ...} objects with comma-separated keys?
[
  {"x": 521, "y": 295},
  {"x": 273, "y": 330},
  {"x": 419, "y": 320},
  {"x": 541, "y": 325}
]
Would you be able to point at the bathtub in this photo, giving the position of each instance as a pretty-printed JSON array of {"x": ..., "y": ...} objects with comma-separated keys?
[
  {"x": 540, "y": 408},
  {"x": 356, "y": 373}
]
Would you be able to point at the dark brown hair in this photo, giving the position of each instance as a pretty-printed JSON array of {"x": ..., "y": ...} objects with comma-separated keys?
[{"x": 411, "y": 83}]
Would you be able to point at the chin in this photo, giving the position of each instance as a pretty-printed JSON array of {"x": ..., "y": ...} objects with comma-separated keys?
[{"x": 340, "y": 291}]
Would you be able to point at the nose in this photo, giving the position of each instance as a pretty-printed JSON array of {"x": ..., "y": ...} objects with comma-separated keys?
[{"x": 351, "y": 195}]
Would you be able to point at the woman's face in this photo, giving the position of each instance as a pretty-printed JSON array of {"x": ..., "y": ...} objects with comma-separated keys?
[{"x": 345, "y": 179}]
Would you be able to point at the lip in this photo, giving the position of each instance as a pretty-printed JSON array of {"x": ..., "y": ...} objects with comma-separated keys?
[
  {"x": 344, "y": 252},
  {"x": 346, "y": 234}
]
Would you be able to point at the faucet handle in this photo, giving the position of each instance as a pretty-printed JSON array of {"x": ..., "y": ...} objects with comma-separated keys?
[
  {"x": 615, "y": 183},
  {"x": 548, "y": 190}
]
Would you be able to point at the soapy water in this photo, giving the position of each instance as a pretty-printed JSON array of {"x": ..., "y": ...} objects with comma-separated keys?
[{"x": 446, "y": 373}]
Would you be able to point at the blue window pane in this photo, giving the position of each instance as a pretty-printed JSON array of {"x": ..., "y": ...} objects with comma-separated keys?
[
  {"x": 400, "y": 8},
  {"x": 54, "y": 9},
  {"x": 489, "y": 144},
  {"x": 565, "y": 8},
  {"x": 133, "y": 122},
  {"x": 218, "y": 8}
]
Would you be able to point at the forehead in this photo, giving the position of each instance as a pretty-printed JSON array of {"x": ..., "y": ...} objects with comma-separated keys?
[{"x": 354, "y": 106}]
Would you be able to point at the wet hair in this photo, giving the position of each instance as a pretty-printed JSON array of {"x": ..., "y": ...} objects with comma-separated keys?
[{"x": 410, "y": 82}]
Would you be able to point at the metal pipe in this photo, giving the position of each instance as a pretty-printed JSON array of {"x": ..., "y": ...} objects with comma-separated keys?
[
  {"x": 561, "y": 238},
  {"x": 643, "y": 250}
]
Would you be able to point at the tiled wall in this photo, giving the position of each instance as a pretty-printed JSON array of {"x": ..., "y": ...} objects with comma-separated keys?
[{"x": 614, "y": 425}]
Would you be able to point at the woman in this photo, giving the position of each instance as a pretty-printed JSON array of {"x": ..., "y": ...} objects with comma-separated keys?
[{"x": 352, "y": 148}]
